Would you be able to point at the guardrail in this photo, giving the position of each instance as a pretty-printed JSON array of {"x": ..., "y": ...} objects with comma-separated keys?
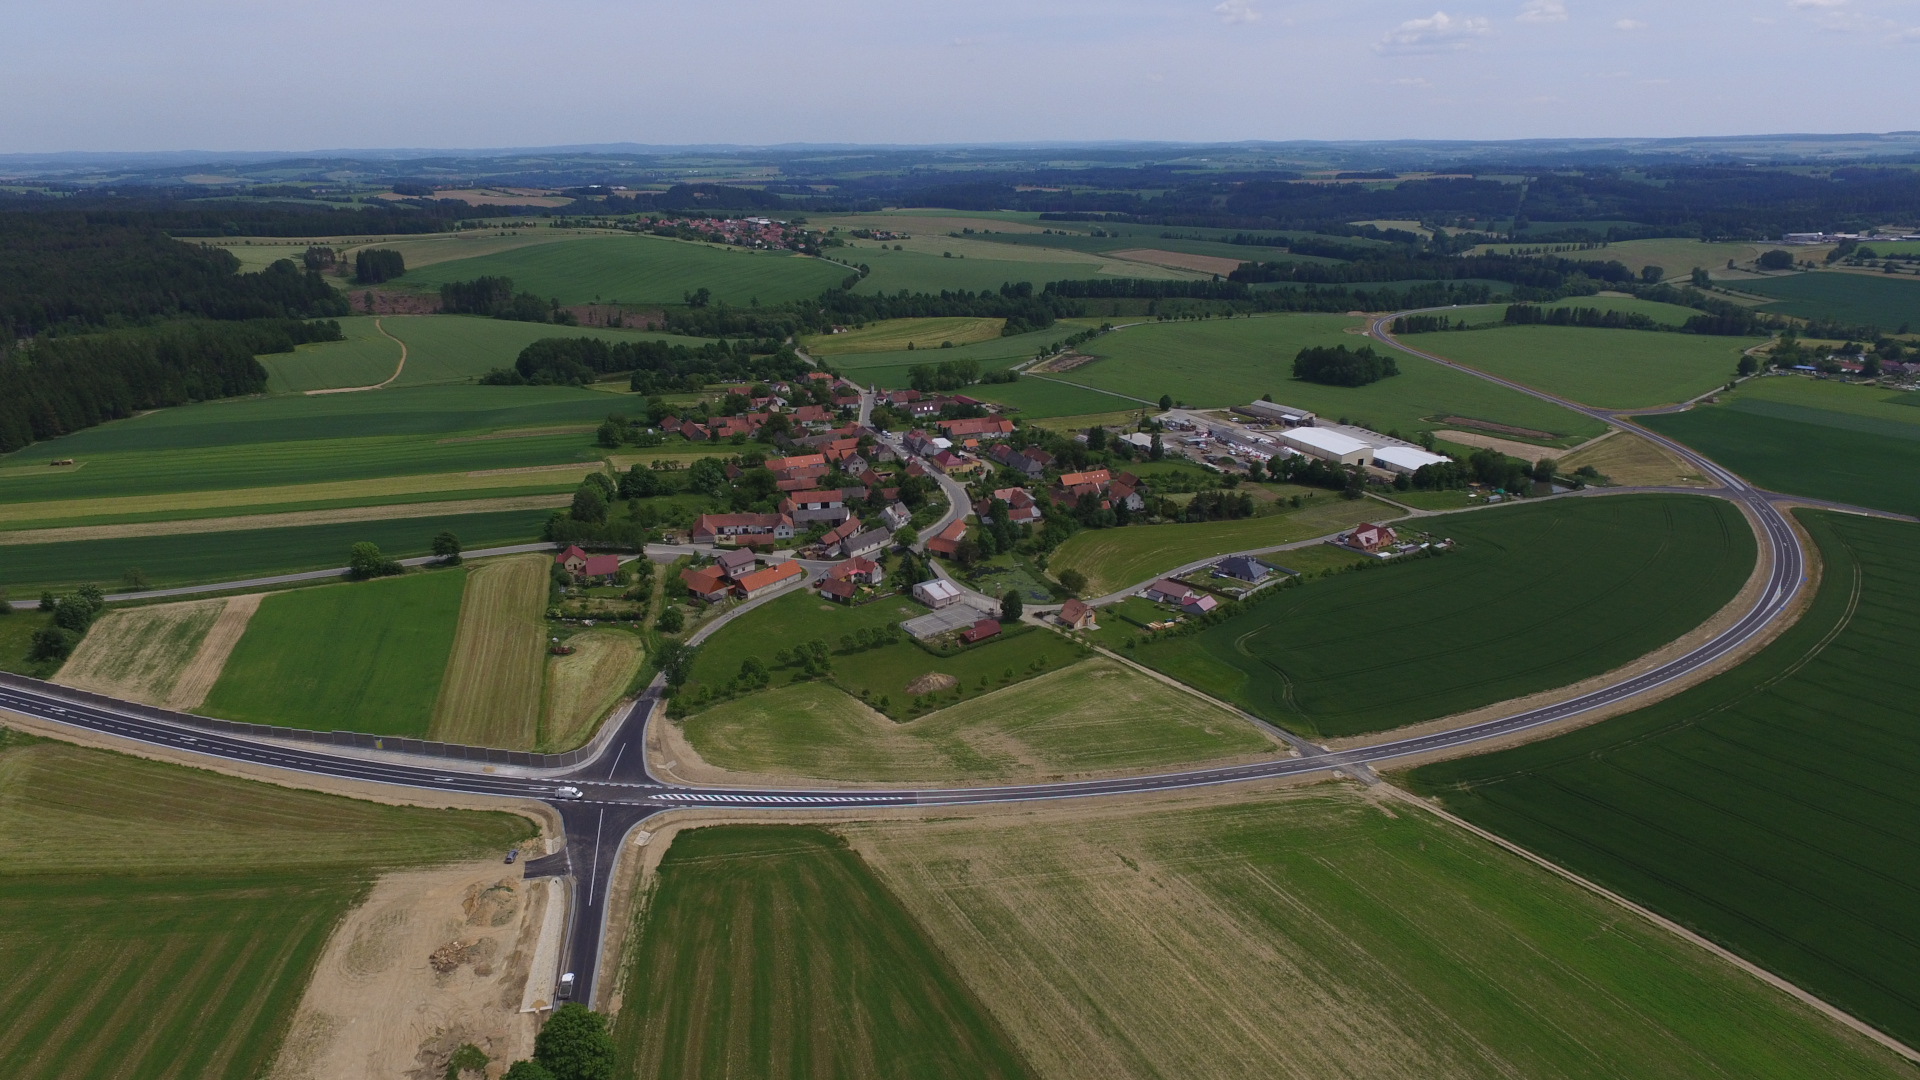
[{"x": 356, "y": 740}]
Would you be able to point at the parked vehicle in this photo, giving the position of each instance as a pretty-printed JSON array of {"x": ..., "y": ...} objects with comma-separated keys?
[
  {"x": 565, "y": 990},
  {"x": 512, "y": 854}
]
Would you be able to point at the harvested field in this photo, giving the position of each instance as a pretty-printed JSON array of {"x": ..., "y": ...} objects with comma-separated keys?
[
  {"x": 1206, "y": 264},
  {"x": 1096, "y": 716},
  {"x": 196, "y": 526},
  {"x": 140, "y": 653},
  {"x": 889, "y": 335},
  {"x": 490, "y": 695},
  {"x": 1523, "y": 451},
  {"x": 1317, "y": 933},
  {"x": 191, "y": 689},
  {"x": 1499, "y": 429},
  {"x": 773, "y": 952},
  {"x": 583, "y": 686},
  {"x": 1628, "y": 459}
]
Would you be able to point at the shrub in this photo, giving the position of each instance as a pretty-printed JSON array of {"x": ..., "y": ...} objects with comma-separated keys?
[{"x": 365, "y": 561}]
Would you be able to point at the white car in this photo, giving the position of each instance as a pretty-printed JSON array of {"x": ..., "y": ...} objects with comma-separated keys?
[{"x": 566, "y": 792}]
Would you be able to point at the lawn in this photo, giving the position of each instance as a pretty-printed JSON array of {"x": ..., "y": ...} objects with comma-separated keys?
[
  {"x": 491, "y": 693},
  {"x": 642, "y": 270},
  {"x": 1532, "y": 598},
  {"x": 775, "y": 952},
  {"x": 233, "y": 556},
  {"x": 894, "y": 335},
  {"x": 1225, "y": 362},
  {"x": 1609, "y": 369},
  {"x": 1115, "y": 559},
  {"x": 1881, "y": 300},
  {"x": 1321, "y": 933},
  {"x": 1856, "y": 445},
  {"x": 367, "y": 656},
  {"x": 1093, "y": 716},
  {"x": 1771, "y": 809},
  {"x": 158, "y": 921}
]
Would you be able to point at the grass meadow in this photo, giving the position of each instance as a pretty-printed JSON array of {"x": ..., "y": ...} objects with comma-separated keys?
[
  {"x": 158, "y": 921},
  {"x": 1115, "y": 559},
  {"x": 1225, "y": 362},
  {"x": 490, "y": 695},
  {"x": 776, "y": 952},
  {"x": 642, "y": 270},
  {"x": 367, "y": 656},
  {"x": 1825, "y": 440},
  {"x": 232, "y": 556},
  {"x": 1663, "y": 314},
  {"x": 582, "y": 686},
  {"x": 1675, "y": 256},
  {"x": 1317, "y": 933},
  {"x": 1092, "y": 716},
  {"x": 1771, "y": 809},
  {"x": 1883, "y": 300},
  {"x": 365, "y": 358},
  {"x": 1532, "y": 597},
  {"x": 1609, "y": 369},
  {"x": 894, "y": 335}
]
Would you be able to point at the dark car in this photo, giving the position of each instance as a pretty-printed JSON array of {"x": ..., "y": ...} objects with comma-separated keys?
[{"x": 512, "y": 854}]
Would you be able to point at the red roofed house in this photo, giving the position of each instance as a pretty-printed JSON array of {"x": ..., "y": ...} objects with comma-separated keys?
[
  {"x": 1076, "y": 615},
  {"x": 816, "y": 505},
  {"x": 987, "y": 427},
  {"x": 1168, "y": 591},
  {"x": 601, "y": 566},
  {"x": 1075, "y": 479},
  {"x": 573, "y": 559},
  {"x": 947, "y": 541},
  {"x": 772, "y": 577},
  {"x": 813, "y": 414},
  {"x": 949, "y": 462},
  {"x": 840, "y": 592},
  {"x": 839, "y": 533},
  {"x": 1021, "y": 509},
  {"x": 1199, "y": 604},
  {"x": 980, "y": 631},
  {"x": 864, "y": 571},
  {"x": 705, "y": 583},
  {"x": 1370, "y": 537},
  {"x": 742, "y": 528}
]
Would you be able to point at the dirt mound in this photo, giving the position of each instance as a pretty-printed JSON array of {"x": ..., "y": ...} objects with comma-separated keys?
[
  {"x": 453, "y": 954},
  {"x": 495, "y": 905},
  {"x": 932, "y": 683}
]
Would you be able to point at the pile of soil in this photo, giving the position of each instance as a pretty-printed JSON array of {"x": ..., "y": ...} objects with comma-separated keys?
[
  {"x": 453, "y": 954},
  {"x": 932, "y": 683},
  {"x": 495, "y": 905}
]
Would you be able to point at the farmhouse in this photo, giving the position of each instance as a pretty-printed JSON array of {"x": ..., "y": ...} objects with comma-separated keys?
[
  {"x": 735, "y": 562},
  {"x": 805, "y": 507},
  {"x": 866, "y": 543},
  {"x": 947, "y": 541},
  {"x": 1168, "y": 591},
  {"x": 988, "y": 427},
  {"x": 585, "y": 567},
  {"x": 742, "y": 528},
  {"x": 1031, "y": 461},
  {"x": 706, "y": 583},
  {"x": 838, "y": 535},
  {"x": 1076, "y": 615},
  {"x": 573, "y": 560},
  {"x": 839, "y": 591},
  {"x": 951, "y": 463},
  {"x": 1327, "y": 445},
  {"x": 937, "y": 593},
  {"x": 762, "y": 581},
  {"x": 980, "y": 631},
  {"x": 864, "y": 571},
  {"x": 1369, "y": 538},
  {"x": 1405, "y": 459}
]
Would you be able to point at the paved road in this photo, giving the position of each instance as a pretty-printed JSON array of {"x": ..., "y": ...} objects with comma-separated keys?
[{"x": 617, "y": 792}]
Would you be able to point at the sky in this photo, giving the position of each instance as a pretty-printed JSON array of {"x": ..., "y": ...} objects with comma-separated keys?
[{"x": 136, "y": 75}]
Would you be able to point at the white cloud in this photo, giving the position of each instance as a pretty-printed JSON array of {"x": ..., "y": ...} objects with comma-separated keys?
[
  {"x": 1816, "y": 3},
  {"x": 1440, "y": 33},
  {"x": 1909, "y": 36},
  {"x": 1236, "y": 11},
  {"x": 1542, "y": 11},
  {"x": 1629, "y": 24}
]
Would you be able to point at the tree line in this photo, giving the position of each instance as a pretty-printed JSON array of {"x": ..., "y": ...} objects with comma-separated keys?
[
  {"x": 656, "y": 366},
  {"x": 494, "y": 297},
  {"x": 1336, "y": 366}
]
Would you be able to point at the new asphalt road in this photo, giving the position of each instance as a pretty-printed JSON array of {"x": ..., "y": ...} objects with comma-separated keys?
[{"x": 616, "y": 792}]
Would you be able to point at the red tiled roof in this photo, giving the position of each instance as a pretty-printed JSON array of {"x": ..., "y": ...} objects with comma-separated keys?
[
  {"x": 772, "y": 575},
  {"x": 599, "y": 565}
]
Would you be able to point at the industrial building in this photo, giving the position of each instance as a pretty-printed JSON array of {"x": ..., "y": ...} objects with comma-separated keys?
[
  {"x": 1326, "y": 445},
  {"x": 1276, "y": 413},
  {"x": 1405, "y": 459}
]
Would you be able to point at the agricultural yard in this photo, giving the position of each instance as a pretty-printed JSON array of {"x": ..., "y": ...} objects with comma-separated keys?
[
  {"x": 894, "y": 335},
  {"x": 877, "y": 672},
  {"x": 1115, "y": 559},
  {"x": 1319, "y": 932},
  {"x": 1825, "y": 440},
  {"x": 490, "y": 695},
  {"x": 187, "y": 559},
  {"x": 1226, "y": 362},
  {"x": 162, "y": 921},
  {"x": 1093, "y": 716},
  {"x": 1883, "y": 300},
  {"x": 440, "y": 349},
  {"x": 164, "y": 654},
  {"x": 367, "y": 656},
  {"x": 776, "y": 952},
  {"x": 1609, "y": 369},
  {"x": 1770, "y": 809},
  {"x": 641, "y": 270},
  {"x": 1533, "y": 597},
  {"x": 583, "y": 685}
]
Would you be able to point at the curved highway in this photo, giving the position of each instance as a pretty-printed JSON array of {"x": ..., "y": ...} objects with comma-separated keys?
[{"x": 616, "y": 792}]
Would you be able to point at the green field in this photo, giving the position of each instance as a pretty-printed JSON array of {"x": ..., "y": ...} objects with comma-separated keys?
[
  {"x": 157, "y": 921},
  {"x": 642, "y": 270},
  {"x": 1675, "y": 256},
  {"x": 775, "y": 952},
  {"x": 1663, "y": 314},
  {"x": 1095, "y": 715},
  {"x": 1609, "y": 369},
  {"x": 894, "y": 335},
  {"x": 440, "y": 349},
  {"x": 1533, "y": 597},
  {"x": 1881, "y": 300},
  {"x": 233, "y": 556},
  {"x": 1826, "y": 440},
  {"x": 368, "y": 656},
  {"x": 1771, "y": 809},
  {"x": 1115, "y": 559},
  {"x": 1225, "y": 362},
  {"x": 994, "y": 352},
  {"x": 1323, "y": 933}
]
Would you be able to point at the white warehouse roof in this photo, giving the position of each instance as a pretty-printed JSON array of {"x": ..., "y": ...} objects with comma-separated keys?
[
  {"x": 938, "y": 589},
  {"x": 1327, "y": 442},
  {"x": 1405, "y": 458}
]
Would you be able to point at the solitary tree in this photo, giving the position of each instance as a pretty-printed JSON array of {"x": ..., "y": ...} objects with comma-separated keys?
[
  {"x": 447, "y": 547},
  {"x": 1011, "y": 607},
  {"x": 589, "y": 505},
  {"x": 135, "y": 579},
  {"x": 1166, "y": 402},
  {"x": 1073, "y": 581}
]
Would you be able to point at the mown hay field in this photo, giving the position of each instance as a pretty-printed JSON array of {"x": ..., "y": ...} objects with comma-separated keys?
[
  {"x": 1533, "y": 597},
  {"x": 140, "y": 653},
  {"x": 1321, "y": 933},
  {"x": 892, "y": 335},
  {"x": 1115, "y": 559},
  {"x": 1630, "y": 459},
  {"x": 1094, "y": 716},
  {"x": 774, "y": 952},
  {"x": 1771, "y": 809},
  {"x": 162, "y": 922},
  {"x": 1851, "y": 444},
  {"x": 367, "y": 656},
  {"x": 1609, "y": 369},
  {"x": 1218, "y": 363},
  {"x": 642, "y": 270},
  {"x": 582, "y": 686},
  {"x": 1883, "y": 300},
  {"x": 490, "y": 695},
  {"x": 365, "y": 358}
]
